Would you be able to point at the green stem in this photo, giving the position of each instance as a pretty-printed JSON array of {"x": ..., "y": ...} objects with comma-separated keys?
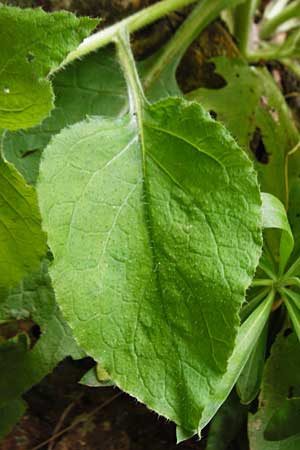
[
  {"x": 201, "y": 16},
  {"x": 135, "y": 90},
  {"x": 294, "y": 270},
  {"x": 288, "y": 12},
  {"x": 253, "y": 303},
  {"x": 268, "y": 55},
  {"x": 293, "y": 281},
  {"x": 244, "y": 14},
  {"x": 131, "y": 23},
  {"x": 262, "y": 282},
  {"x": 267, "y": 270}
]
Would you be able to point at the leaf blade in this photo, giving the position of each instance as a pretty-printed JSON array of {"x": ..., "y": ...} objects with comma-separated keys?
[
  {"x": 148, "y": 213},
  {"x": 33, "y": 44}
]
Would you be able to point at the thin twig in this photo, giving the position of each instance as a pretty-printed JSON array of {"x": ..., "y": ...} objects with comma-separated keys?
[
  {"x": 292, "y": 95},
  {"x": 62, "y": 419},
  {"x": 78, "y": 420}
]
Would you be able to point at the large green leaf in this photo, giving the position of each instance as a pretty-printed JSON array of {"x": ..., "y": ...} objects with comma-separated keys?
[
  {"x": 22, "y": 241},
  {"x": 155, "y": 240},
  {"x": 93, "y": 86},
  {"x": 32, "y": 44},
  {"x": 21, "y": 368},
  {"x": 255, "y": 111},
  {"x": 281, "y": 381}
]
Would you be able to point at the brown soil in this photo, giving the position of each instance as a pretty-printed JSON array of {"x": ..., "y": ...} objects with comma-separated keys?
[{"x": 119, "y": 423}]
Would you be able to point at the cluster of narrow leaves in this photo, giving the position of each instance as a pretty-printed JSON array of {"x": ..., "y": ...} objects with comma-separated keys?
[{"x": 150, "y": 221}]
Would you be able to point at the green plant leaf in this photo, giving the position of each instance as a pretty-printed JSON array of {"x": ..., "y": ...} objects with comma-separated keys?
[
  {"x": 294, "y": 296},
  {"x": 281, "y": 380},
  {"x": 154, "y": 242},
  {"x": 97, "y": 84},
  {"x": 258, "y": 117},
  {"x": 96, "y": 377},
  {"x": 33, "y": 43},
  {"x": 246, "y": 340},
  {"x": 294, "y": 314},
  {"x": 285, "y": 422},
  {"x": 159, "y": 71},
  {"x": 10, "y": 414},
  {"x": 23, "y": 243},
  {"x": 226, "y": 424},
  {"x": 33, "y": 298},
  {"x": 274, "y": 216},
  {"x": 249, "y": 382}
]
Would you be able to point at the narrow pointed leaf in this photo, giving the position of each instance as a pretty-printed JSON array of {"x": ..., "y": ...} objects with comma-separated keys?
[
  {"x": 245, "y": 342},
  {"x": 154, "y": 242},
  {"x": 295, "y": 296},
  {"x": 294, "y": 314},
  {"x": 249, "y": 382}
]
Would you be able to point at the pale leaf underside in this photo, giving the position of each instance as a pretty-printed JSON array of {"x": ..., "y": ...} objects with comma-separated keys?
[{"x": 155, "y": 240}]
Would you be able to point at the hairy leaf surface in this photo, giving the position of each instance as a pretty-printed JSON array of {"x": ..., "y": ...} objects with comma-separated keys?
[
  {"x": 156, "y": 233},
  {"x": 32, "y": 44}
]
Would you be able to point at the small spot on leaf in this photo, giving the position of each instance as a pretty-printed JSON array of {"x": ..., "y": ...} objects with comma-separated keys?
[
  {"x": 258, "y": 148},
  {"x": 29, "y": 152},
  {"x": 30, "y": 57},
  {"x": 291, "y": 391},
  {"x": 6, "y": 90},
  {"x": 287, "y": 332}
]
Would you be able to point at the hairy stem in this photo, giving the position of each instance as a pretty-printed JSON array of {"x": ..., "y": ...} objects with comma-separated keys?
[
  {"x": 131, "y": 23},
  {"x": 288, "y": 12},
  {"x": 134, "y": 86}
]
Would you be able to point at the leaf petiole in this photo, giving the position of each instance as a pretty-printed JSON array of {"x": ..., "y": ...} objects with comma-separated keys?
[
  {"x": 132, "y": 23},
  {"x": 201, "y": 16},
  {"x": 262, "y": 282},
  {"x": 244, "y": 14},
  {"x": 134, "y": 86}
]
